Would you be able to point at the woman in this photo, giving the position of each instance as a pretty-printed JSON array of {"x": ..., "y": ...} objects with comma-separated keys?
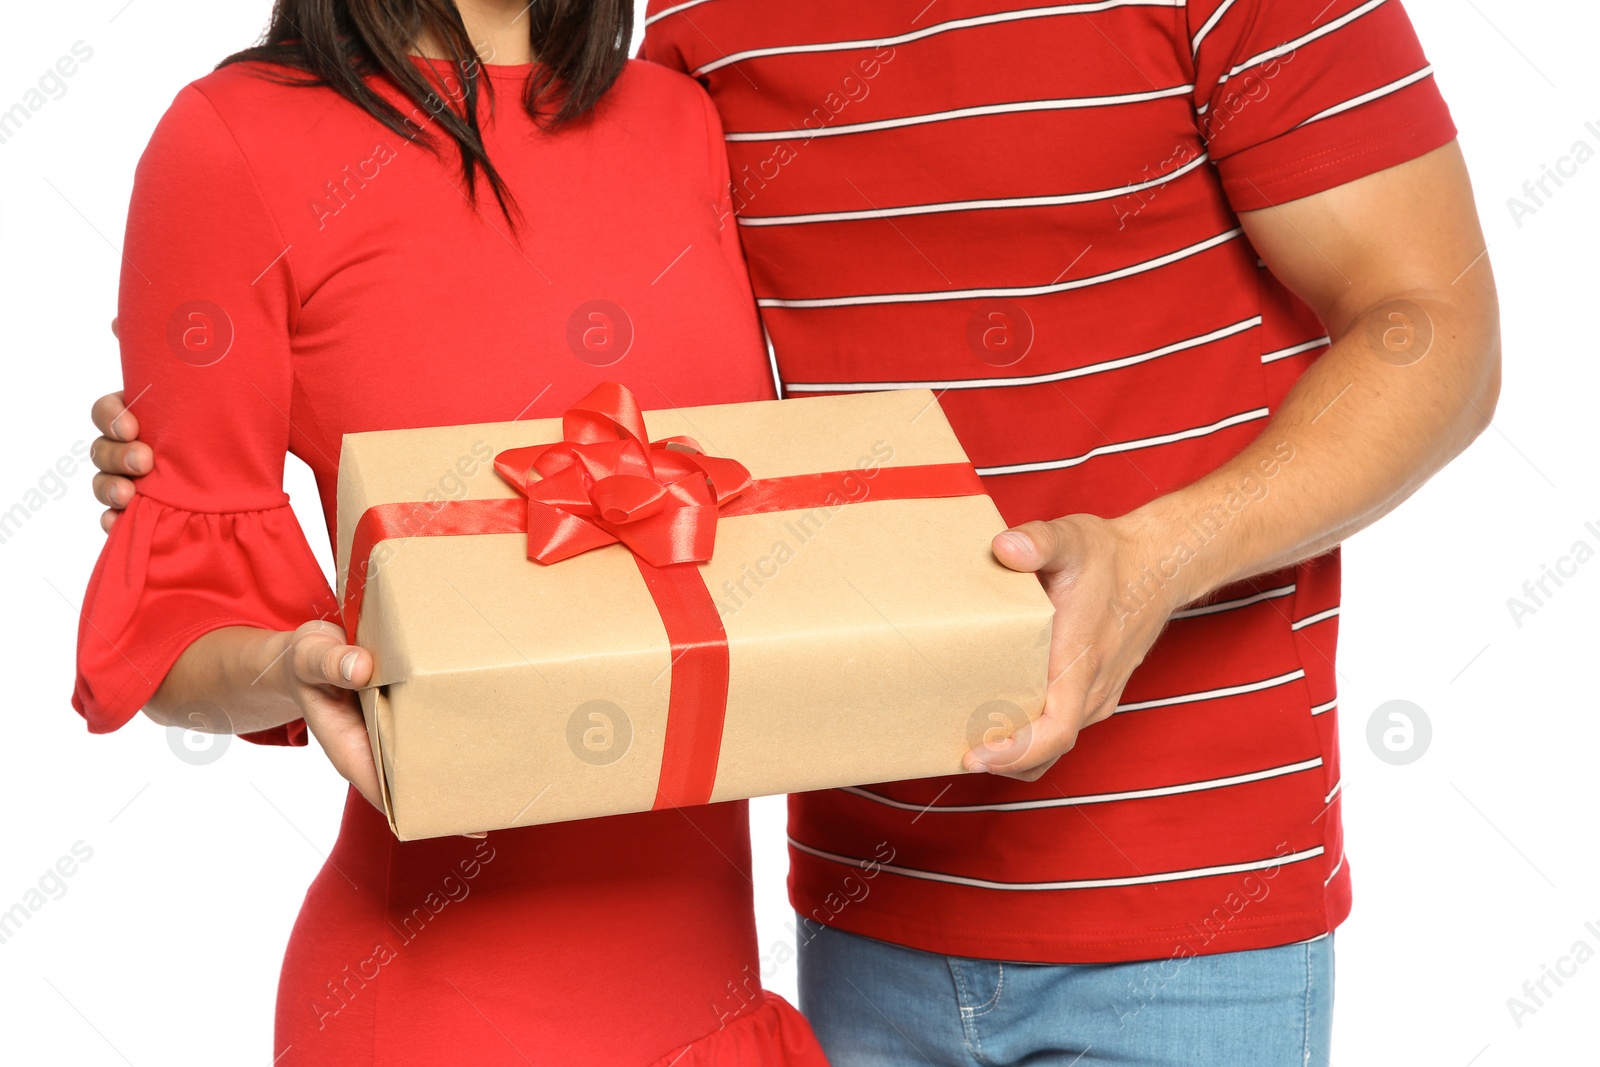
[{"x": 332, "y": 233}]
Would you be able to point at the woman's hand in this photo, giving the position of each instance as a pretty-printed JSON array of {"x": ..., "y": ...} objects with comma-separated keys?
[
  {"x": 319, "y": 671},
  {"x": 315, "y": 667},
  {"x": 251, "y": 679}
]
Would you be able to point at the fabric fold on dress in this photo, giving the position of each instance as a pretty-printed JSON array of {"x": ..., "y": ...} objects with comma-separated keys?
[
  {"x": 165, "y": 577},
  {"x": 774, "y": 1034}
]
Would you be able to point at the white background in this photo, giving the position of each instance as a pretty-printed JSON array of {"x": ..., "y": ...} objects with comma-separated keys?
[{"x": 1474, "y": 866}]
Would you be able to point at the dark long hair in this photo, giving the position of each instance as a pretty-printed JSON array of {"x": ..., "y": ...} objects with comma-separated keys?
[{"x": 580, "y": 46}]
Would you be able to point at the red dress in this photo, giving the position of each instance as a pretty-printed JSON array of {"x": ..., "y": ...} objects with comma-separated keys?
[{"x": 295, "y": 272}]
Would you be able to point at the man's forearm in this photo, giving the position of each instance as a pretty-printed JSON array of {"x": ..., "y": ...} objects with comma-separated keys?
[
  {"x": 1405, "y": 387},
  {"x": 1394, "y": 264}
]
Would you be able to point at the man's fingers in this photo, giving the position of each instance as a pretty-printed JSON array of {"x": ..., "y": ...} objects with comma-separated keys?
[
  {"x": 114, "y": 331},
  {"x": 1032, "y": 774},
  {"x": 112, "y": 418},
  {"x": 323, "y": 657},
  {"x": 112, "y": 491},
  {"x": 108, "y": 519},
  {"x": 1036, "y": 546},
  {"x": 1035, "y": 744},
  {"x": 119, "y": 457}
]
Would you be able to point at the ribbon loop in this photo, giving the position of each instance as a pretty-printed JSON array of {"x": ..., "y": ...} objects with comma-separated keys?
[
  {"x": 606, "y": 482},
  {"x": 626, "y": 497}
]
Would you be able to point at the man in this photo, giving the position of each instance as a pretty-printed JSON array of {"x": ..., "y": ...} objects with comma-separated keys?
[{"x": 1202, "y": 290}]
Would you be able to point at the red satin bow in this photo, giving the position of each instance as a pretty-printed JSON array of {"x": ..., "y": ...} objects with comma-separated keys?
[{"x": 608, "y": 482}]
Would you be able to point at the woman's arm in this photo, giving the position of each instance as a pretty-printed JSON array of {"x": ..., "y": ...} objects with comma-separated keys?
[
  {"x": 265, "y": 678},
  {"x": 202, "y": 593}
]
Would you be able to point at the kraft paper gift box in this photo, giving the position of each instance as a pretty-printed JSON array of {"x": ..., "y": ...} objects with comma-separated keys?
[{"x": 835, "y": 615}]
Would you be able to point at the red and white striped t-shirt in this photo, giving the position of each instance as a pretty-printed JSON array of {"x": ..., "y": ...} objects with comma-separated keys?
[{"x": 1031, "y": 210}]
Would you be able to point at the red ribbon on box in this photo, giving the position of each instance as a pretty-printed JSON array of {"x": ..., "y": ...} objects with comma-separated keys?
[{"x": 607, "y": 483}]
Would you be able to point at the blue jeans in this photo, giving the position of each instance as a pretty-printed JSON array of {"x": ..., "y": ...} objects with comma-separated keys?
[{"x": 874, "y": 1004}]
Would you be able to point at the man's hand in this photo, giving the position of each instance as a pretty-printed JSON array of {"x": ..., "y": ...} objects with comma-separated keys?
[
  {"x": 118, "y": 452},
  {"x": 1085, "y": 563}
]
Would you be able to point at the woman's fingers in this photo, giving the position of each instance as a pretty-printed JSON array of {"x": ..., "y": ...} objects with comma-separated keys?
[
  {"x": 340, "y": 729},
  {"x": 326, "y": 667},
  {"x": 323, "y": 657}
]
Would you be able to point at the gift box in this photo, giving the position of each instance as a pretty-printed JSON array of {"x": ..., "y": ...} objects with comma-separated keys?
[{"x": 620, "y": 610}]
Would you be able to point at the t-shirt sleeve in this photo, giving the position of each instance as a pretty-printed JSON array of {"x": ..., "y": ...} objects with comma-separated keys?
[
  {"x": 1294, "y": 97},
  {"x": 657, "y": 45},
  {"x": 206, "y": 309}
]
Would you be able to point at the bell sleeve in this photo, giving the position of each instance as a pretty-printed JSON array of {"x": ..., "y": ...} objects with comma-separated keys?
[{"x": 206, "y": 309}]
